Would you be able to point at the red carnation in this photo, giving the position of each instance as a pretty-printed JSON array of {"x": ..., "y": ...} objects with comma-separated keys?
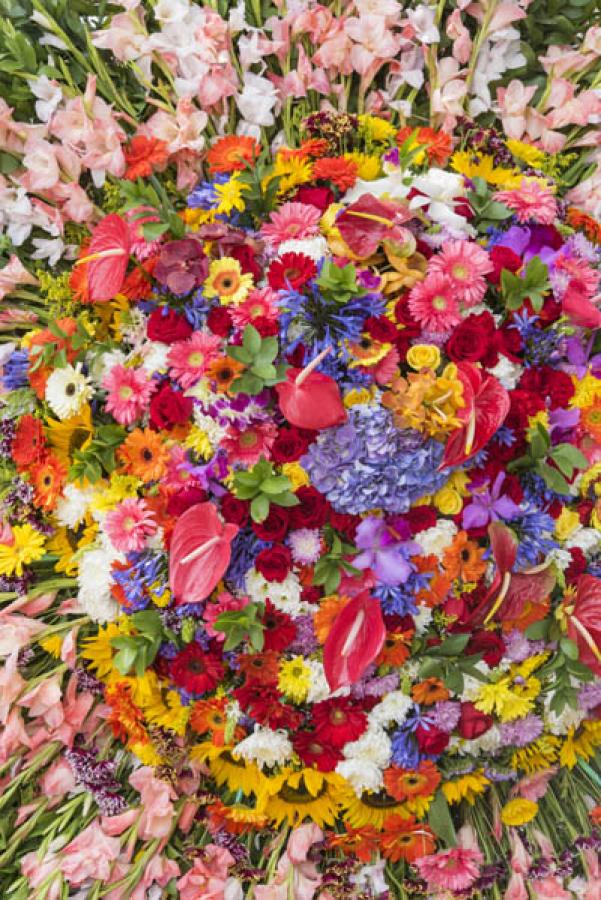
[
  {"x": 219, "y": 321},
  {"x": 419, "y": 518},
  {"x": 490, "y": 644},
  {"x": 291, "y": 270},
  {"x": 380, "y": 329},
  {"x": 168, "y": 326},
  {"x": 321, "y": 197},
  {"x": 264, "y": 704},
  {"x": 235, "y": 511},
  {"x": 195, "y": 670},
  {"x": 338, "y": 721}
]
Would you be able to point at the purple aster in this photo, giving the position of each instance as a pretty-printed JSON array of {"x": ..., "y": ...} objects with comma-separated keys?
[
  {"x": 589, "y": 696},
  {"x": 521, "y": 731},
  {"x": 383, "y": 552},
  {"x": 375, "y": 687},
  {"x": 518, "y": 647},
  {"x": 488, "y": 505}
]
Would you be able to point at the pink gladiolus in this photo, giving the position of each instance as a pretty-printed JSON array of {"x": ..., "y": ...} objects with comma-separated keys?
[
  {"x": 11, "y": 685},
  {"x": 14, "y": 273},
  {"x": 155, "y": 801},
  {"x": 89, "y": 855},
  {"x": 207, "y": 877},
  {"x": 159, "y": 870},
  {"x": 36, "y": 871},
  {"x": 305, "y": 878},
  {"x": 58, "y": 780},
  {"x": 533, "y": 787},
  {"x": 44, "y": 702}
]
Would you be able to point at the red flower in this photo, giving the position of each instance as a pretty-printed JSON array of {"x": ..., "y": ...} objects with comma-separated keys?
[
  {"x": 548, "y": 382},
  {"x": 169, "y": 408},
  {"x": 279, "y": 629},
  {"x": 247, "y": 259},
  {"x": 315, "y": 752},
  {"x": 234, "y": 510},
  {"x": 143, "y": 156},
  {"x": 168, "y": 326},
  {"x": 490, "y": 644},
  {"x": 219, "y": 321},
  {"x": 473, "y": 340},
  {"x": 312, "y": 512},
  {"x": 419, "y": 518},
  {"x": 431, "y": 740},
  {"x": 381, "y": 329},
  {"x": 338, "y": 721},
  {"x": 179, "y": 502},
  {"x": 275, "y": 526},
  {"x": 274, "y": 563},
  {"x": 472, "y": 722},
  {"x": 291, "y": 270},
  {"x": 321, "y": 197},
  {"x": 584, "y": 622},
  {"x": 503, "y": 258},
  {"x": 288, "y": 446},
  {"x": 195, "y": 670},
  {"x": 264, "y": 703},
  {"x": 29, "y": 441}
]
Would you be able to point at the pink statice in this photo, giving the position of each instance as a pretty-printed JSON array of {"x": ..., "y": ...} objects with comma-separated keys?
[
  {"x": 247, "y": 445},
  {"x": 190, "y": 359},
  {"x": 260, "y": 304},
  {"x": 292, "y": 221},
  {"x": 450, "y": 870},
  {"x": 129, "y": 525},
  {"x": 465, "y": 264},
  {"x": 129, "y": 393},
  {"x": 433, "y": 303},
  {"x": 531, "y": 202}
]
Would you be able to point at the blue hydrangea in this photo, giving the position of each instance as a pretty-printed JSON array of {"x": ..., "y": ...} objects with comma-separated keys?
[{"x": 367, "y": 463}]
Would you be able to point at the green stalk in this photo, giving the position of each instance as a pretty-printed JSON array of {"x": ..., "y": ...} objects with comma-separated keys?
[
  {"x": 22, "y": 832},
  {"x": 477, "y": 45}
]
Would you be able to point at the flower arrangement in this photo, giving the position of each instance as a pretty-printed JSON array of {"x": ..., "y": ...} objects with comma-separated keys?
[{"x": 300, "y": 540}]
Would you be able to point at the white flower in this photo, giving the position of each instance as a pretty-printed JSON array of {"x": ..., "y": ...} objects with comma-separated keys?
[
  {"x": 95, "y": 582},
  {"x": 586, "y": 539},
  {"x": 154, "y": 355},
  {"x": 361, "y": 774},
  {"x": 373, "y": 746},
  {"x": 560, "y": 723},
  {"x": 393, "y": 708},
  {"x": 257, "y": 100},
  {"x": 305, "y": 545},
  {"x": 316, "y": 247},
  {"x": 102, "y": 364},
  {"x": 265, "y": 747},
  {"x": 438, "y": 191},
  {"x": 319, "y": 689},
  {"x": 51, "y": 249},
  {"x": 168, "y": 12},
  {"x": 434, "y": 541},
  {"x": 507, "y": 373},
  {"x": 49, "y": 93},
  {"x": 422, "y": 19},
  {"x": 561, "y": 558},
  {"x": 371, "y": 879},
  {"x": 285, "y": 595},
  {"x": 487, "y": 743},
  {"x": 67, "y": 390},
  {"x": 422, "y": 620},
  {"x": 73, "y": 505}
]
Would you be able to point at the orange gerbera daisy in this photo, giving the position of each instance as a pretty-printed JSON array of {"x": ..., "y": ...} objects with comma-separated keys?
[
  {"x": 463, "y": 559},
  {"x": 360, "y": 842},
  {"x": 145, "y": 155},
  {"x": 237, "y": 819},
  {"x": 260, "y": 668},
  {"x": 579, "y": 219},
  {"x": 437, "y": 590},
  {"x": 429, "y": 691},
  {"x": 438, "y": 143},
  {"x": 229, "y": 154},
  {"x": 144, "y": 455},
  {"x": 396, "y": 648},
  {"x": 29, "y": 443},
  {"x": 47, "y": 478},
  {"x": 340, "y": 171},
  {"x": 313, "y": 147},
  {"x": 406, "y": 839},
  {"x": 224, "y": 372},
  {"x": 209, "y": 716},
  {"x": 39, "y": 376},
  {"x": 591, "y": 420},
  {"x": 403, "y": 784},
  {"x": 330, "y": 608}
]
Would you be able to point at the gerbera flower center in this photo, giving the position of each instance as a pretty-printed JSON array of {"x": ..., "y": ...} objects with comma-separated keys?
[
  {"x": 125, "y": 392},
  {"x": 196, "y": 358},
  {"x": 129, "y": 523},
  {"x": 248, "y": 439},
  {"x": 460, "y": 271},
  {"x": 338, "y": 717},
  {"x": 195, "y": 666},
  {"x": 439, "y": 302},
  {"x": 70, "y": 389},
  {"x": 146, "y": 454}
]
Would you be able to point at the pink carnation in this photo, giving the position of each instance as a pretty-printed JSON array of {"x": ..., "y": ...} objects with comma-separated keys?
[
  {"x": 432, "y": 303},
  {"x": 465, "y": 264},
  {"x": 530, "y": 202},
  {"x": 129, "y": 525},
  {"x": 189, "y": 360},
  {"x": 129, "y": 393}
]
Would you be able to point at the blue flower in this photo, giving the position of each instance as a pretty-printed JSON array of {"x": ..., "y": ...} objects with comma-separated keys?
[{"x": 15, "y": 371}]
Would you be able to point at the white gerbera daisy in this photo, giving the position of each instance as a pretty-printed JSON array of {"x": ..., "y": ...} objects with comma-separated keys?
[{"x": 67, "y": 390}]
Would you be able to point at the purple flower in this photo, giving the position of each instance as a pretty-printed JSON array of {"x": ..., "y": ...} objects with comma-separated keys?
[
  {"x": 488, "y": 505},
  {"x": 522, "y": 731},
  {"x": 579, "y": 354},
  {"x": 382, "y": 552},
  {"x": 182, "y": 265}
]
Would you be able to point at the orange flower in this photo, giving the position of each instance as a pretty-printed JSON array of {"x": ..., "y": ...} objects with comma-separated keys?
[
  {"x": 237, "y": 819},
  {"x": 438, "y": 143},
  {"x": 579, "y": 219},
  {"x": 47, "y": 477},
  {"x": 437, "y": 590},
  {"x": 403, "y": 784},
  {"x": 29, "y": 443},
  {"x": 39, "y": 376},
  {"x": 224, "y": 372},
  {"x": 406, "y": 839},
  {"x": 396, "y": 648},
  {"x": 145, "y": 155},
  {"x": 313, "y": 147},
  {"x": 138, "y": 284},
  {"x": 230, "y": 153},
  {"x": 260, "y": 668},
  {"x": 530, "y": 613},
  {"x": 360, "y": 842},
  {"x": 323, "y": 619},
  {"x": 429, "y": 691},
  {"x": 463, "y": 559},
  {"x": 125, "y": 718},
  {"x": 144, "y": 455},
  {"x": 595, "y": 815},
  {"x": 340, "y": 171},
  {"x": 208, "y": 716},
  {"x": 78, "y": 279},
  {"x": 591, "y": 420}
]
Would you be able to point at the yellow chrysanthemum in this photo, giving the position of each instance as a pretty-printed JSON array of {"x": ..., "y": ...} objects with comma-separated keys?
[
  {"x": 376, "y": 129},
  {"x": 27, "y": 547},
  {"x": 121, "y": 487},
  {"x": 194, "y": 218},
  {"x": 144, "y": 689},
  {"x": 476, "y": 166},
  {"x": 539, "y": 418},
  {"x": 227, "y": 281},
  {"x": 292, "y": 172},
  {"x": 53, "y": 645},
  {"x": 566, "y": 524},
  {"x": 230, "y": 195},
  {"x": 466, "y": 787},
  {"x": 292, "y": 797},
  {"x": 526, "y": 152},
  {"x": 538, "y": 755},
  {"x": 146, "y": 753},
  {"x": 581, "y": 743},
  {"x": 369, "y": 167},
  {"x": 198, "y": 440},
  {"x": 169, "y": 713},
  {"x": 507, "y": 699},
  {"x": 587, "y": 390},
  {"x": 294, "y": 679},
  {"x": 297, "y": 475},
  {"x": 518, "y": 811}
]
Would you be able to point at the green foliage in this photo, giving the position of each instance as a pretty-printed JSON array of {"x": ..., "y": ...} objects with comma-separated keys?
[
  {"x": 138, "y": 651},
  {"x": 489, "y": 213},
  {"x": 329, "y": 568},
  {"x": 339, "y": 284},
  {"x": 566, "y": 458},
  {"x": 139, "y": 194},
  {"x": 260, "y": 187},
  {"x": 241, "y": 625},
  {"x": 263, "y": 487},
  {"x": 98, "y": 457},
  {"x": 257, "y": 354},
  {"x": 532, "y": 285}
]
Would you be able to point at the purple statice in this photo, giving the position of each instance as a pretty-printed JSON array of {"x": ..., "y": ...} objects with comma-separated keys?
[
  {"x": 18, "y": 584},
  {"x": 19, "y": 494},
  {"x": 445, "y": 715},
  {"x": 518, "y": 647},
  {"x": 305, "y": 641},
  {"x": 368, "y": 686},
  {"x": 97, "y": 777},
  {"x": 589, "y": 695},
  {"x": 498, "y": 775},
  {"x": 15, "y": 371},
  {"x": 521, "y": 731},
  {"x": 368, "y": 463},
  {"x": 579, "y": 245},
  {"x": 88, "y": 683}
]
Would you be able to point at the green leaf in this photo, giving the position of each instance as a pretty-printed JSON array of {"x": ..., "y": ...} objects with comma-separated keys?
[
  {"x": 251, "y": 340},
  {"x": 153, "y": 230},
  {"x": 240, "y": 354},
  {"x": 287, "y": 498},
  {"x": 440, "y": 820},
  {"x": 452, "y": 646},
  {"x": 569, "y": 648},
  {"x": 538, "y": 631},
  {"x": 454, "y": 680},
  {"x": 553, "y": 479},
  {"x": 567, "y": 458},
  {"x": 259, "y": 508},
  {"x": 275, "y": 484}
]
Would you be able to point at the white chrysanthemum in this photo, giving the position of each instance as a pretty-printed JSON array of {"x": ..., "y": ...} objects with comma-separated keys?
[
  {"x": 285, "y": 595},
  {"x": 265, "y": 747},
  {"x": 361, "y": 774},
  {"x": 393, "y": 708},
  {"x": 320, "y": 689},
  {"x": 560, "y": 723},
  {"x": 434, "y": 541},
  {"x": 422, "y": 619},
  {"x": 373, "y": 746},
  {"x": 154, "y": 355},
  {"x": 586, "y": 539},
  {"x": 73, "y": 505},
  {"x": 316, "y": 248},
  {"x": 507, "y": 373},
  {"x": 487, "y": 744},
  {"x": 213, "y": 430},
  {"x": 67, "y": 390},
  {"x": 305, "y": 545},
  {"x": 95, "y": 582},
  {"x": 561, "y": 558}
]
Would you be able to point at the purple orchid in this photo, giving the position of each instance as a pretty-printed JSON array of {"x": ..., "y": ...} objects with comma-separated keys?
[
  {"x": 579, "y": 357},
  {"x": 383, "y": 552},
  {"x": 489, "y": 506}
]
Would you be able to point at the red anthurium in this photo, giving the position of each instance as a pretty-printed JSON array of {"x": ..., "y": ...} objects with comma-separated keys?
[
  {"x": 580, "y": 310},
  {"x": 486, "y": 407},
  {"x": 354, "y": 641},
  {"x": 199, "y": 554},
  {"x": 584, "y": 622},
  {"x": 107, "y": 258},
  {"x": 366, "y": 223},
  {"x": 310, "y": 399}
]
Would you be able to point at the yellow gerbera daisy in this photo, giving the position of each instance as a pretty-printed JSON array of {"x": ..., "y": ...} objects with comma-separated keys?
[
  {"x": 27, "y": 547},
  {"x": 294, "y": 679},
  {"x": 476, "y": 166},
  {"x": 227, "y": 281},
  {"x": 230, "y": 195}
]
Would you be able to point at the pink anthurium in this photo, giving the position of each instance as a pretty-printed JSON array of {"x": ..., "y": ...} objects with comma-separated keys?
[
  {"x": 486, "y": 407},
  {"x": 309, "y": 399},
  {"x": 584, "y": 621},
  {"x": 107, "y": 258},
  {"x": 366, "y": 223},
  {"x": 199, "y": 554},
  {"x": 355, "y": 639}
]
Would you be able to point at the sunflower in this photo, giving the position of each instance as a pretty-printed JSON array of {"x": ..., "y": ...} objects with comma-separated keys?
[
  {"x": 227, "y": 281},
  {"x": 370, "y": 808},
  {"x": 47, "y": 478},
  {"x": 294, "y": 796},
  {"x": 481, "y": 166},
  {"x": 540, "y": 754},
  {"x": 224, "y": 372},
  {"x": 229, "y": 154},
  {"x": 70, "y": 435},
  {"x": 64, "y": 544},
  {"x": 227, "y": 769},
  {"x": 144, "y": 455}
]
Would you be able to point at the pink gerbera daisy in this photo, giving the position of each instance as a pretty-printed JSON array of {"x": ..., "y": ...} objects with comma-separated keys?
[
  {"x": 450, "y": 870},
  {"x": 530, "y": 202},
  {"x": 189, "y": 360},
  {"x": 178, "y": 472},
  {"x": 464, "y": 264},
  {"x": 432, "y": 303},
  {"x": 578, "y": 273},
  {"x": 260, "y": 304},
  {"x": 248, "y": 445},
  {"x": 129, "y": 393},
  {"x": 292, "y": 221},
  {"x": 129, "y": 525}
]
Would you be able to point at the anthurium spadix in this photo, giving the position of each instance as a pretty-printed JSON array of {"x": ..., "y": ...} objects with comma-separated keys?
[
  {"x": 354, "y": 641},
  {"x": 199, "y": 554},
  {"x": 107, "y": 258}
]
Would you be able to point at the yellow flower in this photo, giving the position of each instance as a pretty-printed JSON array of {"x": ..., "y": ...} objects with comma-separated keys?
[
  {"x": 507, "y": 699},
  {"x": 294, "y": 679},
  {"x": 518, "y": 812},
  {"x": 297, "y": 475},
  {"x": 587, "y": 390},
  {"x": 198, "y": 440},
  {"x": 540, "y": 418},
  {"x": 27, "y": 547},
  {"x": 566, "y": 524},
  {"x": 64, "y": 544},
  {"x": 476, "y": 166},
  {"x": 427, "y": 402},
  {"x": 376, "y": 129},
  {"x": 169, "y": 713},
  {"x": 526, "y": 152},
  {"x": 227, "y": 281},
  {"x": 423, "y": 356},
  {"x": 369, "y": 808},
  {"x": 71, "y": 434},
  {"x": 292, "y": 797},
  {"x": 230, "y": 195},
  {"x": 448, "y": 501},
  {"x": 146, "y": 753},
  {"x": 368, "y": 166},
  {"x": 291, "y": 172},
  {"x": 97, "y": 649},
  {"x": 367, "y": 352},
  {"x": 228, "y": 769},
  {"x": 537, "y": 756},
  {"x": 583, "y": 745},
  {"x": 53, "y": 645},
  {"x": 466, "y": 787},
  {"x": 356, "y": 397},
  {"x": 121, "y": 487}
]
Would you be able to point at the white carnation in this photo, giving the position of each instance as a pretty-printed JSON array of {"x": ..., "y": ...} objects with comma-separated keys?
[
  {"x": 95, "y": 582},
  {"x": 393, "y": 708},
  {"x": 434, "y": 541},
  {"x": 320, "y": 689},
  {"x": 560, "y": 723},
  {"x": 316, "y": 248},
  {"x": 361, "y": 774},
  {"x": 73, "y": 505},
  {"x": 265, "y": 747},
  {"x": 285, "y": 595},
  {"x": 507, "y": 373},
  {"x": 487, "y": 743},
  {"x": 586, "y": 539},
  {"x": 373, "y": 746},
  {"x": 154, "y": 355}
]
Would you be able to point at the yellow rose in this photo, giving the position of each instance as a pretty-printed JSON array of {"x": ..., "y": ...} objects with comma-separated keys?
[
  {"x": 357, "y": 396},
  {"x": 518, "y": 812},
  {"x": 297, "y": 475},
  {"x": 566, "y": 524},
  {"x": 448, "y": 501},
  {"x": 423, "y": 356}
]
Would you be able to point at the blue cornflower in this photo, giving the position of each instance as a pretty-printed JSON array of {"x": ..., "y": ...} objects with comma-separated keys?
[
  {"x": 15, "y": 371},
  {"x": 535, "y": 529},
  {"x": 505, "y": 436},
  {"x": 399, "y": 600}
]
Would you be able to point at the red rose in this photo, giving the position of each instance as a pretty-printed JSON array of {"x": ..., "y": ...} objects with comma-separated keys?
[
  {"x": 507, "y": 341},
  {"x": 179, "y": 502},
  {"x": 491, "y": 645},
  {"x": 472, "y": 722},
  {"x": 503, "y": 258},
  {"x": 288, "y": 446},
  {"x": 431, "y": 740},
  {"x": 402, "y": 313},
  {"x": 344, "y": 523},
  {"x": 275, "y": 526},
  {"x": 274, "y": 563},
  {"x": 380, "y": 329},
  {"x": 169, "y": 408},
  {"x": 246, "y": 257},
  {"x": 321, "y": 197},
  {"x": 219, "y": 321},
  {"x": 472, "y": 340},
  {"x": 421, "y": 517},
  {"x": 168, "y": 326},
  {"x": 312, "y": 512},
  {"x": 234, "y": 511},
  {"x": 265, "y": 326}
]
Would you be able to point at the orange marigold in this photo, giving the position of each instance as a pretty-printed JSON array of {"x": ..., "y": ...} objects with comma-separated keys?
[{"x": 340, "y": 171}]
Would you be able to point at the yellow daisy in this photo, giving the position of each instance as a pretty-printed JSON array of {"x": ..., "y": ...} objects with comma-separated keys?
[
  {"x": 27, "y": 547},
  {"x": 227, "y": 281},
  {"x": 293, "y": 797}
]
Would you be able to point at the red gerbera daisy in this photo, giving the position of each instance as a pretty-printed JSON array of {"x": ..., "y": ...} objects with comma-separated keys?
[
  {"x": 315, "y": 752},
  {"x": 279, "y": 629},
  {"x": 264, "y": 703},
  {"x": 143, "y": 156},
  {"x": 338, "y": 721},
  {"x": 29, "y": 442},
  {"x": 291, "y": 270},
  {"x": 195, "y": 670}
]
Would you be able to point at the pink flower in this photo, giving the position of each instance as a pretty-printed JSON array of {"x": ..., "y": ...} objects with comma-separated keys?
[
  {"x": 292, "y": 221},
  {"x": 451, "y": 870},
  {"x": 465, "y": 264},
  {"x": 513, "y": 102},
  {"x": 178, "y": 476},
  {"x": 531, "y": 201},
  {"x": 305, "y": 878},
  {"x": 155, "y": 802},
  {"x": 549, "y": 888},
  {"x": 207, "y": 877},
  {"x": 42, "y": 168},
  {"x": 129, "y": 394},
  {"x": 159, "y": 870},
  {"x": 36, "y": 871},
  {"x": 12, "y": 274},
  {"x": 432, "y": 303},
  {"x": 44, "y": 701},
  {"x": 248, "y": 445},
  {"x": 129, "y": 525},
  {"x": 58, "y": 780},
  {"x": 260, "y": 304},
  {"x": 11, "y": 685},
  {"x": 89, "y": 855},
  {"x": 533, "y": 787},
  {"x": 189, "y": 360},
  {"x": 212, "y": 611}
]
